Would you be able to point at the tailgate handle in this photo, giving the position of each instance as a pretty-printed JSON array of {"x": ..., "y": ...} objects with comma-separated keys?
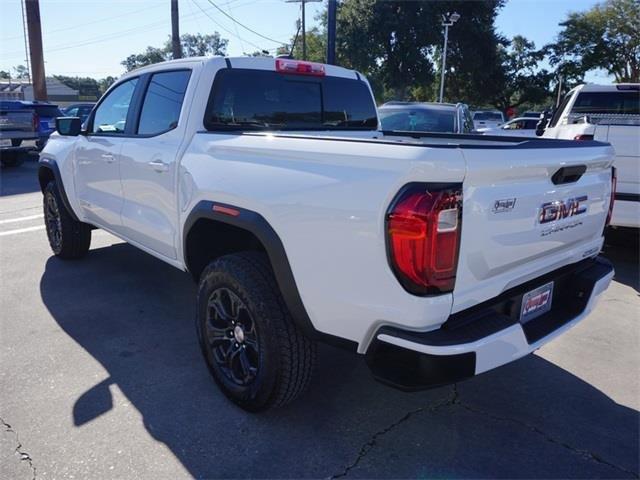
[{"x": 568, "y": 174}]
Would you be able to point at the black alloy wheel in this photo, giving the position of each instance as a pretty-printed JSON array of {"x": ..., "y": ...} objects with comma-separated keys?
[{"x": 232, "y": 337}]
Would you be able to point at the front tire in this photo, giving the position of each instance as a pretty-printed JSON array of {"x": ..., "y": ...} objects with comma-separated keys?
[
  {"x": 68, "y": 238},
  {"x": 256, "y": 354}
]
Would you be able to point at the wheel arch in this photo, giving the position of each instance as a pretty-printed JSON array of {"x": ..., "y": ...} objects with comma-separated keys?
[
  {"x": 210, "y": 233},
  {"x": 48, "y": 171}
]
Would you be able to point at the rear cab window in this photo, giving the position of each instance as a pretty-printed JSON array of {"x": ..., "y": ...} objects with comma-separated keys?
[
  {"x": 243, "y": 99},
  {"x": 614, "y": 102}
]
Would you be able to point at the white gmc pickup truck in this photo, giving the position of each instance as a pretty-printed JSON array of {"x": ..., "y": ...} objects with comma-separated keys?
[
  {"x": 609, "y": 113},
  {"x": 437, "y": 256}
]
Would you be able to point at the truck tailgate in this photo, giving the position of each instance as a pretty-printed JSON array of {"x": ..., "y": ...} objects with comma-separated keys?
[
  {"x": 517, "y": 224},
  {"x": 16, "y": 121}
]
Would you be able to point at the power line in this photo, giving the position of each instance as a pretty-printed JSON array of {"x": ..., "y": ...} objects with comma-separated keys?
[
  {"x": 224, "y": 28},
  {"x": 243, "y": 25},
  {"x": 82, "y": 24}
]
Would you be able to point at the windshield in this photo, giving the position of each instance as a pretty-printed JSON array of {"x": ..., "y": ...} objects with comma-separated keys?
[
  {"x": 493, "y": 116},
  {"x": 267, "y": 100},
  {"x": 418, "y": 120}
]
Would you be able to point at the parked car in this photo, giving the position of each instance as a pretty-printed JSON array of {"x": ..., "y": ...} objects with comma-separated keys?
[
  {"x": 81, "y": 110},
  {"x": 16, "y": 126},
  {"x": 487, "y": 119},
  {"x": 46, "y": 114},
  {"x": 517, "y": 127},
  {"x": 426, "y": 117},
  {"x": 437, "y": 256},
  {"x": 610, "y": 113}
]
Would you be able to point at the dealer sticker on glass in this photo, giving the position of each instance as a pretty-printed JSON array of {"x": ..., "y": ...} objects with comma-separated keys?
[{"x": 536, "y": 302}]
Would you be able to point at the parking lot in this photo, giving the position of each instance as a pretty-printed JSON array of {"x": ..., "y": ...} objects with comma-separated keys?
[{"x": 101, "y": 377}]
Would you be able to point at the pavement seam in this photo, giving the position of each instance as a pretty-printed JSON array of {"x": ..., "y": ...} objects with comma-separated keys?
[
  {"x": 371, "y": 443},
  {"x": 24, "y": 456},
  {"x": 586, "y": 454}
]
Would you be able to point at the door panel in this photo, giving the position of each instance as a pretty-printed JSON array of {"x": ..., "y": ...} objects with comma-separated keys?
[
  {"x": 149, "y": 167},
  {"x": 98, "y": 176},
  {"x": 98, "y": 158}
]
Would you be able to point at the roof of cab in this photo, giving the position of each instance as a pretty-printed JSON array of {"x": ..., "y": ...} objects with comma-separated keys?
[{"x": 257, "y": 63}]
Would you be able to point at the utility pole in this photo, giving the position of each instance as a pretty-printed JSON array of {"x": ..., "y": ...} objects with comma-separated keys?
[
  {"x": 304, "y": 30},
  {"x": 32, "y": 9},
  {"x": 26, "y": 43},
  {"x": 175, "y": 30},
  {"x": 447, "y": 21},
  {"x": 331, "y": 32}
]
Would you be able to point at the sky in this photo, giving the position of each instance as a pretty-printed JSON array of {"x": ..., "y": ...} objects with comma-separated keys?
[{"x": 91, "y": 37}]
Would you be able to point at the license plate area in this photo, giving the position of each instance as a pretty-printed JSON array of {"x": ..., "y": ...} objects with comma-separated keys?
[{"x": 536, "y": 302}]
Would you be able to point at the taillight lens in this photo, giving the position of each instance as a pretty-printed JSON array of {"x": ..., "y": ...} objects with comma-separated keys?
[
  {"x": 36, "y": 122},
  {"x": 423, "y": 237},
  {"x": 614, "y": 185},
  {"x": 583, "y": 137},
  {"x": 298, "y": 67}
]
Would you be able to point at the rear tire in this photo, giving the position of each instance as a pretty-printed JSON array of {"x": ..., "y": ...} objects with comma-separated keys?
[
  {"x": 256, "y": 354},
  {"x": 68, "y": 238}
]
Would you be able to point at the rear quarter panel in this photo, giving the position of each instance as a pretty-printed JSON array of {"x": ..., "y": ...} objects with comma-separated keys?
[{"x": 327, "y": 201}]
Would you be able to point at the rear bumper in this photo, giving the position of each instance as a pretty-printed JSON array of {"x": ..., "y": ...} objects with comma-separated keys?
[{"x": 488, "y": 335}]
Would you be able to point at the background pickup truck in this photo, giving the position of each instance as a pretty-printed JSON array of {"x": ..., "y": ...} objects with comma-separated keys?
[
  {"x": 437, "y": 256},
  {"x": 16, "y": 127},
  {"x": 610, "y": 113}
]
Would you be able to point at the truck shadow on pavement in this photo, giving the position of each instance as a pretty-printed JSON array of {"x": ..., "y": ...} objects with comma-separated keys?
[{"x": 135, "y": 315}]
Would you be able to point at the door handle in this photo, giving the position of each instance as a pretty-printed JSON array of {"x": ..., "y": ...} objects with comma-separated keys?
[
  {"x": 159, "y": 165},
  {"x": 107, "y": 157}
]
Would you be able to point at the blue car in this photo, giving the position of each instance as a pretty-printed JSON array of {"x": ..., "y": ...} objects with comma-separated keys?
[{"x": 46, "y": 114}]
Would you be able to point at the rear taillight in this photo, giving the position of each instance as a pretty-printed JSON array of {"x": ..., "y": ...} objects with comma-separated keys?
[
  {"x": 297, "y": 67},
  {"x": 614, "y": 185},
  {"x": 583, "y": 137},
  {"x": 36, "y": 122},
  {"x": 423, "y": 237}
]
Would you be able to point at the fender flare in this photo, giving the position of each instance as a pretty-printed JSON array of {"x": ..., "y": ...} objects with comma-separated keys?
[
  {"x": 256, "y": 224},
  {"x": 46, "y": 164}
]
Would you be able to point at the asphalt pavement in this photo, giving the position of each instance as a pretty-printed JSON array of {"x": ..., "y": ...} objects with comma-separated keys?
[{"x": 101, "y": 377}]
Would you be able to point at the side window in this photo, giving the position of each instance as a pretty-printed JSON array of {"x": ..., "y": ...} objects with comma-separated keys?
[
  {"x": 111, "y": 115},
  {"x": 468, "y": 121},
  {"x": 162, "y": 102},
  {"x": 72, "y": 113}
]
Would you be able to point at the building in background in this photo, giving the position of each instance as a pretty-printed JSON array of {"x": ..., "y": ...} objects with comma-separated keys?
[{"x": 57, "y": 92}]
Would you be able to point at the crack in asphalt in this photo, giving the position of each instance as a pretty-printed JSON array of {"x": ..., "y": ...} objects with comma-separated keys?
[
  {"x": 371, "y": 443},
  {"x": 455, "y": 400},
  {"x": 24, "y": 456},
  {"x": 586, "y": 454}
]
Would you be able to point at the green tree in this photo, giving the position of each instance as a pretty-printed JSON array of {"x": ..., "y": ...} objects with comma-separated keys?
[
  {"x": 521, "y": 80},
  {"x": 87, "y": 87},
  {"x": 150, "y": 56},
  {"x": 105, "y": 83},
  {"x": 4, "y": 75},
  {"x": 398, "y": 45},
  {"x": 192, "y": 46},
  {"x": 21, "y": 72},
  {"x": 607, "y": 36},
  {"x": 199, "y": 45}
]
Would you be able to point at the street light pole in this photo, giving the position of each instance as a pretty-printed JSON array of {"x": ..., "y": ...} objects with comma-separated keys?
[{"x": 447, "y": 21}]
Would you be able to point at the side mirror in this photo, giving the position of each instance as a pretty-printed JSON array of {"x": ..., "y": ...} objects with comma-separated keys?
[
  {"x": 69, "y": 126},
  {"x": 542, "y": 123}
]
